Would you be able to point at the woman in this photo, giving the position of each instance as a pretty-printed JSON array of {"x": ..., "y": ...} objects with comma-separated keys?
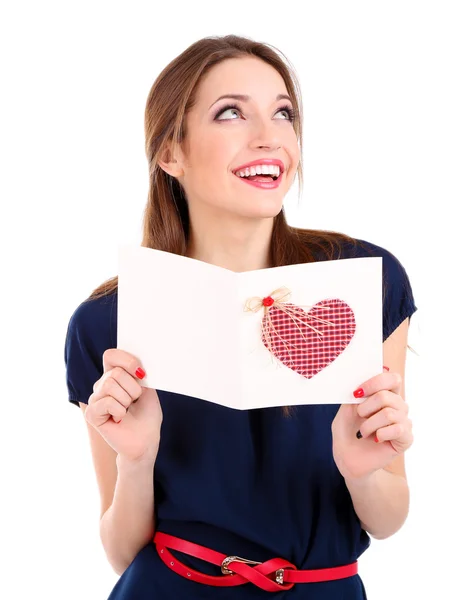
[{"x": 297, "y": 490}]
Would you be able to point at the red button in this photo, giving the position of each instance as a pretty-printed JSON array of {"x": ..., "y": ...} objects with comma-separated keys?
[{"x": 268, "y": 301}]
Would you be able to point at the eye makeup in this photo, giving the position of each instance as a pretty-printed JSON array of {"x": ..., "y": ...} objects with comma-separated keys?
[{"x": 291, "y": 112}]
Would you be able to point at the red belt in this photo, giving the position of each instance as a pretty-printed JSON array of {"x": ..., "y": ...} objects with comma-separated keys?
[{"x": 273, "y": 575}]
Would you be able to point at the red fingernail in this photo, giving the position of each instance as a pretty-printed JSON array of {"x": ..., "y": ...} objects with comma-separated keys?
[
  {"x": 359, "y": 393},
  {"x": 376, "y": 438},
  {"x": 140, "y": 373},
  {"x": 119, "y": 421},
  {"x": 386, "y": 368}
]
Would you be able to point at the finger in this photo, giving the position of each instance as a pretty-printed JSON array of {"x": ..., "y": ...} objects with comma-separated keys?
[
  {"x": 382, "y": 381},
  {"x": 397, "y": 431},
  {"x": 114, "y": 357},
  {"x": 379, "y": 400},
  {"x": 110, "y": 387},
  {"x": 385, "y": 417},
  {"x": 126, "y": 382},
  {"x": 99, "y": 412}
]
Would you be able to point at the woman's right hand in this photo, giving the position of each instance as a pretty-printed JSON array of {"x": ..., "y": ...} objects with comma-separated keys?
[{"x": 127, "y": 415}]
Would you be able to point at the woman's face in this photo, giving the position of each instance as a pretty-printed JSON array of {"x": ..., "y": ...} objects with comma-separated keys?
[{"x": 219, "y": 141}]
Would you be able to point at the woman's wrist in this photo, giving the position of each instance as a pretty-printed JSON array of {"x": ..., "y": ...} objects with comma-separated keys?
[{"x": 146, "y": 461}]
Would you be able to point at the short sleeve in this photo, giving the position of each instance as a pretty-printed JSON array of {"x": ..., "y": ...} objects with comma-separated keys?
[
  {"x": 397, "y": 294},
  {"x": 92, "y": 329}
]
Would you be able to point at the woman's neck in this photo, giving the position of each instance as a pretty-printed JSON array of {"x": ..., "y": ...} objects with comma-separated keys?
[{"x": 235, "y": 246}]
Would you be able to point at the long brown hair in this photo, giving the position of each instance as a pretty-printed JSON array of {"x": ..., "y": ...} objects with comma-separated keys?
[{"x": 173, "y": 94}]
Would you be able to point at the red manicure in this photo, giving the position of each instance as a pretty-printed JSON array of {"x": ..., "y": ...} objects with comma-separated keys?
[
  {"x": 376, "y": 438},
  {"x": 359, "y": 393},
  {"x": 140, "y": 373},
  {"x": 386, "y": 368}
]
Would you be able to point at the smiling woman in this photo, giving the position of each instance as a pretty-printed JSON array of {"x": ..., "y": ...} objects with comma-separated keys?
[
  {"x": 287, "y": 490},
  {"x": 246, "y": 136}
]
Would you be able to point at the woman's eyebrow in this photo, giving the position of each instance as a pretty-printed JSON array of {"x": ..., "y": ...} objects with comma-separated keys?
[{"x": 245, "y": 98}]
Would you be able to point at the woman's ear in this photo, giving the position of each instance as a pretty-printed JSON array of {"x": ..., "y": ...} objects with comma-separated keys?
[{"x": 171, "y": 161}]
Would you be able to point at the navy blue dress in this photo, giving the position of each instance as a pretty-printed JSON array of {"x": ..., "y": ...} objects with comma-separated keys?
[{"x": 282, "y": 497}]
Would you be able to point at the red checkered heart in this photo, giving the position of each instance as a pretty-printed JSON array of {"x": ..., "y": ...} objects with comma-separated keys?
[{"x": 289, "y": 333}]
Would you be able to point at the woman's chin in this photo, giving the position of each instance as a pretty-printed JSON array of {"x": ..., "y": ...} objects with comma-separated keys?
[{"x": 263, "y": 210}]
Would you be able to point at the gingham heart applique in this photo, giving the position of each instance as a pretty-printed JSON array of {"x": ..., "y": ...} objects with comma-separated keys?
[{"x": 288, "y": 334}]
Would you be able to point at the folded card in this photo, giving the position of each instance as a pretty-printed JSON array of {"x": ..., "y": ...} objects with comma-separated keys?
[{"x": 299, "y": 334}]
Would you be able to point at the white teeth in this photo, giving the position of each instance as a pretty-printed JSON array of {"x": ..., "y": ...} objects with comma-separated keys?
[{"x": 259, "y": 170}]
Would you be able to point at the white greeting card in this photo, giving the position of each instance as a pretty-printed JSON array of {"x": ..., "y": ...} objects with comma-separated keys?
[{"x": 299, "y": 334}]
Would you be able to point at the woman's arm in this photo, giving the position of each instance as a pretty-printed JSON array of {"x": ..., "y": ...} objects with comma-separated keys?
[
  {"x": 129, "y": 523},
  {"x": 382, "y": 499}
]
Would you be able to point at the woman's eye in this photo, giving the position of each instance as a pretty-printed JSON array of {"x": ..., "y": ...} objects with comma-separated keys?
[
  {"x": 289, "y": 112},
  {"x": 227, "y": 110}
]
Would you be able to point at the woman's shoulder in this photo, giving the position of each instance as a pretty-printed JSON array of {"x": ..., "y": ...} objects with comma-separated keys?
[
  {"x": 92, "y": 329},
  {"x": 360, "y": 248},
  {"x": 334, "y": 245},
  {"x": 393, "y": 270},
  {"x": 349, "y": 247},
  {"x": 95, "y": 319}
]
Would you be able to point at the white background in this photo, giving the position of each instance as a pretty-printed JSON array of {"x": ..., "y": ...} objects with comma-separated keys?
[{"x": 389, "y": 154}]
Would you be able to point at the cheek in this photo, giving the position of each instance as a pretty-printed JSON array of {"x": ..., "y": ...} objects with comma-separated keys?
[
  {"x": 211, "y": 154},
  {"x": 209, "y": 177},
  {"x": 294, "y": 152},
  {"x": 213, "y": 163}
]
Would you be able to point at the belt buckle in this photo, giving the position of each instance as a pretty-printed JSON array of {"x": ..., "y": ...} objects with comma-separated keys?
[
  {"x": 280, "y": 576},
  {"x": 229, "y": 559}
]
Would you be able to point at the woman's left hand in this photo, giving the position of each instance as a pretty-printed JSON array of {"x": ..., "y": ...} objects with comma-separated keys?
[{"x": 382, "y": 419}]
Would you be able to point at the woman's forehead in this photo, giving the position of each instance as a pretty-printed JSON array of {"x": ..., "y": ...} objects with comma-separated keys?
[{"x": 247, "y": 77}]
